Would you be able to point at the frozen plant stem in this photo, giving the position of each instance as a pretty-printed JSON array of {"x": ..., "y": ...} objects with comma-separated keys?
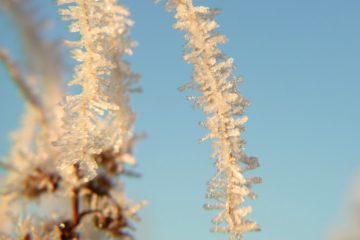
[
  {"x": 85, "y": 109},
  {"x": 224, "y": 106},
  {"x": 98, "y": 122},
  {"x": 75, "y": 199},
  {"x": 20, "y": 82},
  {"x": 43, "y": 62},
  {"x": 95, "y": 140}
]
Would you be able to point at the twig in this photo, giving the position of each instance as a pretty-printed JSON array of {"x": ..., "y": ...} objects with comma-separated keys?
[
  {"x": 20, "y": 82},
  {"x": 75, "y": 197},
  {"x": 75, "y": 206}
]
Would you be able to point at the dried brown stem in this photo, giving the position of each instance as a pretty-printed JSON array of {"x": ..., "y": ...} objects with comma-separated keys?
[
  {"x": 27, "y": 237},
  {"x": 75, "y": 206},
  {"x": 87, "y": 212},
  {"x": 75, "y": 197}
]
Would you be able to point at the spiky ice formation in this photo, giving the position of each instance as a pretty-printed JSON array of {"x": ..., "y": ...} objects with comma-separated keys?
[
  {"x": 102, "y": 26},
  {"x": 224, "y": 106}
]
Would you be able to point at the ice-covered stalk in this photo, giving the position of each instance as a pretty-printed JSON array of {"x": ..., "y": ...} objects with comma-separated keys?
[
  {"x": 94, "y": 52},
  {"x": 224, "y": 106}
]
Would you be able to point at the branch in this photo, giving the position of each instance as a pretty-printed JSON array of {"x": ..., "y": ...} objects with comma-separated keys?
[{"x": 20, "y": 82}]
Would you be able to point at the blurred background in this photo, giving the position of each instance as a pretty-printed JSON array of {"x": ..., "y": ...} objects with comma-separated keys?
[{"x": 301, "y": 62}]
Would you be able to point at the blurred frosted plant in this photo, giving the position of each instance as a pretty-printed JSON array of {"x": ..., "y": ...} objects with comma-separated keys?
[
  {"x": 224, "y": 106},
  {"x": 5, "y": 225},
  {"x": 33, "y": 229},
  {"x": 37, "y": 229},
  {"x": 43, "y": 62},
  {"x": 90, "y": 134},
  {"x": 30, "y": 171},
  {"x": 41, "y": 75}
]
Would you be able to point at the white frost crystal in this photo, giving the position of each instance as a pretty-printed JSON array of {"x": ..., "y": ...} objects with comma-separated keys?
[
  {"x": 214, "y": 78},
  {"x": 93, "y": 117}
]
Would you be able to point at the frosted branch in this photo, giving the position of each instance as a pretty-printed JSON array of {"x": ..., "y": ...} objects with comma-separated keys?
[{"x": 224, "y": 106}]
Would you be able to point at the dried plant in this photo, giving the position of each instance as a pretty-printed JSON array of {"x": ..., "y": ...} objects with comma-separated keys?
[{"x": 75, "y": 148}]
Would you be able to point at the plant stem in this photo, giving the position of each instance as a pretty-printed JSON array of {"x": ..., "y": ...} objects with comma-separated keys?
[
  {"x": 24, "y": 88},
  {"x": 75, "y": 206}
]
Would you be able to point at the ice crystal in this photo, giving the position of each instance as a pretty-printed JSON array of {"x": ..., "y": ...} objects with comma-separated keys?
[
  {"x": 224, "y": 106},
  {"x": 103, "y": 29}
]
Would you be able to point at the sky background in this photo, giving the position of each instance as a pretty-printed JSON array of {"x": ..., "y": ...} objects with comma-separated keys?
[{"x": 301, "y": 62}]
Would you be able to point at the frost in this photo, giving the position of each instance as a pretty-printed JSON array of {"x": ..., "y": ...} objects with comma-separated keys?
[
  {"x": 224, "y": 106},
  {"x": 104, "y": 79}
]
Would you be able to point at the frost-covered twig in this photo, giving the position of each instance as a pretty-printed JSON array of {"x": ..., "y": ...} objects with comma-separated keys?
[
  {"x": 98, "y": 122},
  {"x": 43, "y": 62},
  {"x": 214, "y": 78},
  {"x": 96, "y": 133},
  {"x": 94, "y": 51},
  {"x": 22, "y": 85},
  {"x": 30, "y": 173}
]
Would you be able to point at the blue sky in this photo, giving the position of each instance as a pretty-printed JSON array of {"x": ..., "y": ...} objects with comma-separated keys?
[{"x": 301, "y": 62}]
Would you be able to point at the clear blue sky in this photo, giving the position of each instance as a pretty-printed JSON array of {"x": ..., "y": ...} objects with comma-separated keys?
[{"x": 301, "y": 61}]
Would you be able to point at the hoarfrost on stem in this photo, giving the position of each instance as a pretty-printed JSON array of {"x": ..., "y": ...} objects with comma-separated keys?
[
  {"x": 224, "y": 106},
  {"x": 103, "y": 29}
]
